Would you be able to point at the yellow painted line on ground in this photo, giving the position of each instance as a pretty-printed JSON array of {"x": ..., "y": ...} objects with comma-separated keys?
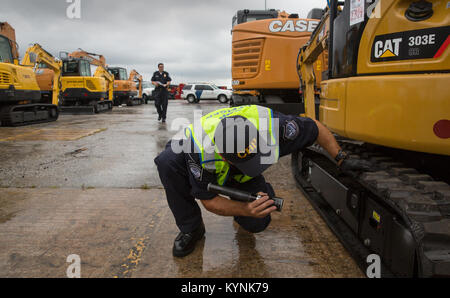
[
  {"x": 47, "y": 134},
  {"x": 15, "y": 137},
  {"x": 135, "y": 255}
]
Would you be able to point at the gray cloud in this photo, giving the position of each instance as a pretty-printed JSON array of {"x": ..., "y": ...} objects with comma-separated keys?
[{"x": 191, "y": 37}]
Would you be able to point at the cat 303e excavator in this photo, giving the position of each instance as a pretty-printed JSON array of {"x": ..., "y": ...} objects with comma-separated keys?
[
  {"x": 20, "y": 96},
  {"x": 384, "y": 93},
  {"x": 82, "y": 93}
]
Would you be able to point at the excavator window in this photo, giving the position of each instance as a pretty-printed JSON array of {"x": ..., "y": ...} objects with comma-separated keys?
[
  {"x": 85, "y": 68},
  {"x": 123, "y": 74},
  {"x": 5, "y": 50},
  {"x": 119, "y": 74},
  {"x": 244, "y": 16},
  {"x": 76, "y": 68}
]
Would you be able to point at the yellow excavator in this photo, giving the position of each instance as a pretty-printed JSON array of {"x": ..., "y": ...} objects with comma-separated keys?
[
  {"x": 264, "y": 44},
  {"x": 20, "y": 96},
  {"x": 82, "y": 93},
  {"x": 384, "y": 93}
]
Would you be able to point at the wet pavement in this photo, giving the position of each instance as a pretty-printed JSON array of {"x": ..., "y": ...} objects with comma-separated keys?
[{"x": 87, "y": 185}]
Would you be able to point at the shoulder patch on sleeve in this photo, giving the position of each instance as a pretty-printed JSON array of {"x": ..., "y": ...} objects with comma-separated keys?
[
  {"x": 291, "y": 130},
  {"x": 196, "y": 170}
]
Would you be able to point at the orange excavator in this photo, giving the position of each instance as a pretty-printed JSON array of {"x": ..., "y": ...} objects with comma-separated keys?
[
  {"x": 125, "y": 90},
  {"x": 264, "y": 44}
]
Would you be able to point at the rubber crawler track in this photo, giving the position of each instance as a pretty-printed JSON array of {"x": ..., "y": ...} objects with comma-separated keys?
[{"x": 421, "y": 203}]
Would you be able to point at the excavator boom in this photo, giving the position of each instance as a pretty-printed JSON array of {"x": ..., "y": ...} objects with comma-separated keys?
[
  {"x": 35, "y": 55},
  {"x": 99, "y": 61},
  {"x": 135, "y": 76},
  {"x": 102, "y": 72}
]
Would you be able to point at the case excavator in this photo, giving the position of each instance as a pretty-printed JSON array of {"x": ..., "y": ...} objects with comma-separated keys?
[
  {"x": 81, "y": 92},
  {"x": 384, "y": 93},
  {"x": 264, "y": 44},
  {"x": 20, "y": 96}
]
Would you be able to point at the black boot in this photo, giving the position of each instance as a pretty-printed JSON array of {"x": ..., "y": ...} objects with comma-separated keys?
[
  {"x": 159, "y": 117},
  {"x": 184, "y": 243}
]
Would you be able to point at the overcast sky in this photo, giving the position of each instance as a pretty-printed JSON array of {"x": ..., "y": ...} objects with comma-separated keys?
[{"x": 191, "y": 37}]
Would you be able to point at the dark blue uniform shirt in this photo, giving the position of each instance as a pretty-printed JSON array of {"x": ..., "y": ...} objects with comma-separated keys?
[
  {"x": 295, "y": 133},
  {"x": 161, "y": 77}
]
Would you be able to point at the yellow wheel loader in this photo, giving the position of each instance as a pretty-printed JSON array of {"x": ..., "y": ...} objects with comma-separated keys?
[
  {"x": 384, "y": 93},
  {"x": 20, "y": 96}
]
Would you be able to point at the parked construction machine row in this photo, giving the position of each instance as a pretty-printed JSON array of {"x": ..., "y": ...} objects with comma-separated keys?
[
  {"x": 43, "y": 86},
  {"x": 384, "y": 93}
]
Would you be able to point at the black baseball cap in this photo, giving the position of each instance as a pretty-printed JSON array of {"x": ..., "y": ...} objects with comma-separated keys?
[{"x": 239, "y": 142}]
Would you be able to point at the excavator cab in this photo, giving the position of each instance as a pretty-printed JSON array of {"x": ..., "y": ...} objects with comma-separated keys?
[
  {"x": 5, "y": 50},
  {"x": 246, "y": 15},
  {"x": 76, "y": 67},
  {"x": 119, "y": 73}
]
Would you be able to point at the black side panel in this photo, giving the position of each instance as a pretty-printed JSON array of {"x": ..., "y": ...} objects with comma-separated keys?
[
  {"x": 346, "y": 40},
  {"x": 76, "y": 93},
  {"x": 12, "y": 95}
]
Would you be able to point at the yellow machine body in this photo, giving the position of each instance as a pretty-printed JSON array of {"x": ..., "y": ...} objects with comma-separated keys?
[
  {"x": 18, "y": 83},
  {"x": 91, "y": 84},
  {"x": 392, "y": 100}
]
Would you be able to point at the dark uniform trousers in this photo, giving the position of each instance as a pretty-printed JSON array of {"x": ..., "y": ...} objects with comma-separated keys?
[
  {"x": 173, "y": 172},
  {"x": 161, "y": 101}
]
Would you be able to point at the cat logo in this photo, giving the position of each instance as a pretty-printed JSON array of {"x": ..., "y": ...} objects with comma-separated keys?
[
  {"x": 249, "y": 150},
  {"x": 387, "y": 48}
]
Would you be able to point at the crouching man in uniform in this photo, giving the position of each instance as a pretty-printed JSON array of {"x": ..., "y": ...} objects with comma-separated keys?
[{"x": 232, "y": 147}]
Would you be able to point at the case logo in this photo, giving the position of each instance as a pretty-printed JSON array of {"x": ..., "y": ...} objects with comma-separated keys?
[{"x": 298, "y": 26}]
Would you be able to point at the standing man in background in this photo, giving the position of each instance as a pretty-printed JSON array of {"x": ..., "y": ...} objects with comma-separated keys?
[{"x": 161, "y": 80}]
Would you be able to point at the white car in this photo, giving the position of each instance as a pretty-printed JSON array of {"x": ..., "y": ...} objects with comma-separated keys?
[
  {"x": 193, "y": 93},
  {"x": 147, "y": 91}
]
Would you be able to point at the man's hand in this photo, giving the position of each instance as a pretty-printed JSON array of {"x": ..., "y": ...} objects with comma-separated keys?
[
  {"x": 261, "y": 207},
  {"x": 353, "y": 164}
]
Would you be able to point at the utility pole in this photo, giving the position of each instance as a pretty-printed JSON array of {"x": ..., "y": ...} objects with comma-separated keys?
[{"x": 265, "y": 4}]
